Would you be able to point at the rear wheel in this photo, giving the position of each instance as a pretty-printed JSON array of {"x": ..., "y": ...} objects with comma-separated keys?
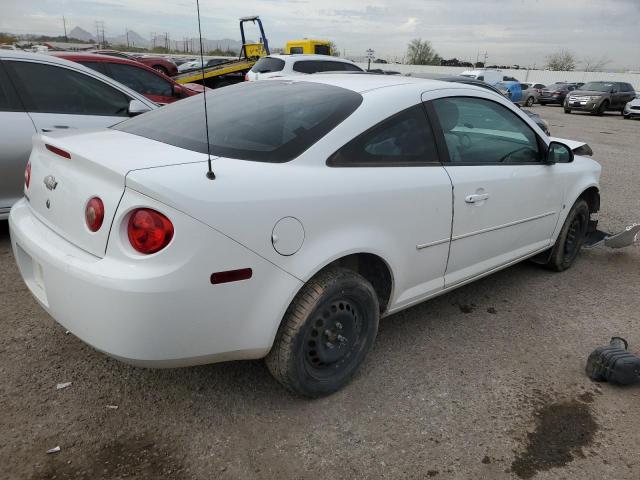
[
  {"x": 567, "y": 110},
  {"x": 325, "y": 334},
  {"x": 530, "y": 101},
  {"x": 571, "y": 237}
]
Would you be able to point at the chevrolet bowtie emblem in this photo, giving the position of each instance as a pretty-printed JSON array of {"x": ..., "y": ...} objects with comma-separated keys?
[{"x": 50, "y": 182}]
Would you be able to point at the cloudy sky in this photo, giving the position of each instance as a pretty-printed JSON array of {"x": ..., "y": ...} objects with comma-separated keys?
[{"x": 517, "y": 31}]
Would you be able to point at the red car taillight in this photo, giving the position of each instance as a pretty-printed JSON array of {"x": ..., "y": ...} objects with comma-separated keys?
[
  {"x": 27, "y": 174},
  {"x": 94, "y": 214},
  {"x": 149, "y": 231},
  {"x": 246, "y": 77}
]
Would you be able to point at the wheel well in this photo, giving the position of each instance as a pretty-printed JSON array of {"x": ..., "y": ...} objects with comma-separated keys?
[
  {"x": 592, "y": 196},
  {"x": 374, "y": 269}
]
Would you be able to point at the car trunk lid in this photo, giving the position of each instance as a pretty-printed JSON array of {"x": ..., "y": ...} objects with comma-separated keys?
[{"x": 69, "y": 169}]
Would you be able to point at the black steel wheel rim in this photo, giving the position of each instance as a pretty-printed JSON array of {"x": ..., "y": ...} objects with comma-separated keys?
[{"x": 334, "y": 337}]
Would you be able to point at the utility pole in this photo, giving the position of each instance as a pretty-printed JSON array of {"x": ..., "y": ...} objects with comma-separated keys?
[
  {"x": 100, "y": 33},
  {"x": 64, "y": 23},
  {"x": 126, "y": 32},
  {"x": 485, "y": 59}
]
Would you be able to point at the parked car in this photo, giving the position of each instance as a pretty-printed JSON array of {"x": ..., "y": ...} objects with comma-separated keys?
[
  {"x": 173, "y": 266},
  {"x": 632, "y": 108},
  {"x": 511, "y": 90},
  {"x": 555, "y": 93},
  {"x": 491, "y": 76},
  {"x": 196, "y": 64},
  {"x": 40, "y": 93},
  {"x": 280, "y": 65},
  {"x": 599, "y": 97},
  {"x": 160, "y": 64},
  {"x": 154, "y": 85},
  {"x": 543, "y": 124},
  {"x": 531, "y": 92}
]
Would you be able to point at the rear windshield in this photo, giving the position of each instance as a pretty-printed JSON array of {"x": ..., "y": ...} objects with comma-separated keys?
[
  {"x": 268, "y": 65},
  {"x": 272, "y": 121},
  {"x": 598, "y": 86},
  {"x": 557, "y": 86}
]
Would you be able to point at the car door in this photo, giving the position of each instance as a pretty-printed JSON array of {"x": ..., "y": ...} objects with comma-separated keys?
[
  {"x": 506, "y": 200},
  {"x": 16, "y": 129},
  {"x": 151, "y": 85},
  {"x": 398, "y": 158},
  {"x": 58, "y": 97}
]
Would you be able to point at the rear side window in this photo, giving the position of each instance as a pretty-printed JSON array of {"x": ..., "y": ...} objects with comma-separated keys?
[
  {"x": 294, "y": 50},
  {"x": 140, "y": 80},
  {"x": 404, "y": 139},
  {"x": 268, "y": 65},
  {"x": 55, "y": 89},
  {"x": 315, "y": 66},
  {"x": 271, "y": 121}
]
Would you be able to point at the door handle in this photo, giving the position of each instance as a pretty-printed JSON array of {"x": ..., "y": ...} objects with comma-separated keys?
[{"x": 479, "y": 197}]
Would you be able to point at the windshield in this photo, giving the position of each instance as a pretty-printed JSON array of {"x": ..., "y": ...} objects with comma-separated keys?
[
  {"x": 272, "y": 121},
  {"x": 598, "y": 86}
]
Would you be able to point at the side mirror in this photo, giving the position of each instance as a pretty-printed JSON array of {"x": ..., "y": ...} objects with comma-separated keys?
[
  {"x": 558, "y": 153},
  {"x": 136, "y": 107}
]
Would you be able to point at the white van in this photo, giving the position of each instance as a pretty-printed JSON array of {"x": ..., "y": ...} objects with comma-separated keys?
[{"x": 490, "y": 76}]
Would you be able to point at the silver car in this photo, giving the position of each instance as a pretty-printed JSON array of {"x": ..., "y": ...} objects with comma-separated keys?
[
  {"x": 632, "y": 108},
  {"x": 530, "y": 92},
  {"x": 42, "y": 93}
]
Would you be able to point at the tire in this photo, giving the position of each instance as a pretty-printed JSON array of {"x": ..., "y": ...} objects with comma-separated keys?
[
  {"x": 325, "y": 334},
  {"x": 571, "y": 238},
  {"x": 530, "y": 101},
  {"x": 544, "y": 104},
  {"x": 161, "y": 69},
  {"x": 567, "y": 110},
  {"x": 602, "y": 108}
]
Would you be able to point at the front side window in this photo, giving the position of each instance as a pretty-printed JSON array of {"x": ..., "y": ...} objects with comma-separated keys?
[
  {"x": 272, "y": 121},
  {"x": 140, "y": 80},
  {"x": 479, "y": 131},
  {"x": 56, "y": 89},
  {"x": 322, "y": 50},
  {"x": 402, "y": 140}
]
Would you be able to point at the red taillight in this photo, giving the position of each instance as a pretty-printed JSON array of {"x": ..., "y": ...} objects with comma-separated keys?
[
  {"x": 57, "y": 151},
  {"x": 94, "y": 214},
  {"x": 149, "y": 231},
  {"x": 27, "y": 174},
  {"x": 246, "y": 77}
]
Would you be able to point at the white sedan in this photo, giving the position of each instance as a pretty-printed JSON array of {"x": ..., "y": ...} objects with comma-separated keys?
[{"x": 337, "y": 200}]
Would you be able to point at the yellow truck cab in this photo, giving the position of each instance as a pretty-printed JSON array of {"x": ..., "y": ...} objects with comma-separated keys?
[{"x": 308, "y": 46}]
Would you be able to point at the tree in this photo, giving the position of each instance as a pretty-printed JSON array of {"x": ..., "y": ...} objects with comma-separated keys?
[
  {"x": 591, "y": 64},
  {"x": 479, "y": 65},
  {"x": 335, "y": 51},
  {"x": 421, "y": 52},
  {"x": 562, "y": 60}
]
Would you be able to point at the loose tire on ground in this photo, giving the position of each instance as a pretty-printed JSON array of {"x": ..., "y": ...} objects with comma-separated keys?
[
  {"x": 571, "y": 238},
  {"x": 325, "y": 334}
]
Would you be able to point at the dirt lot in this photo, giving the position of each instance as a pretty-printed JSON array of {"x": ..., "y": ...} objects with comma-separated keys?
[{"x": 484, "y": 382}]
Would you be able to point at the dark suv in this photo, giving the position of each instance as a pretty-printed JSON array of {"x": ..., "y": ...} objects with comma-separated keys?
[
  {"x": 555, "y": 93},
  {"x": 598, "y": 97}
]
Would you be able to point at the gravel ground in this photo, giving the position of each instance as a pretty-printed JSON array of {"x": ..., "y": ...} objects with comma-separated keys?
[{"x": 484, "y": 382}]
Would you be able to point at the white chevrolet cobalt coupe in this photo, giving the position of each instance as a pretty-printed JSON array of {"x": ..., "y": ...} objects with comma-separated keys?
[{"x": 337, "y": 199}]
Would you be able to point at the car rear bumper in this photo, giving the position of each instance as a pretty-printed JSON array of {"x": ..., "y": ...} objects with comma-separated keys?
[{"x": 160, "y": 310}]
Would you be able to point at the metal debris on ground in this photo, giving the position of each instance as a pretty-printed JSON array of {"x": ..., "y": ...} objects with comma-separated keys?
[
  {"x": 112, "y": 407},
  {"x": 54, "y": 450},
  {"x": 62, "y": 386}
]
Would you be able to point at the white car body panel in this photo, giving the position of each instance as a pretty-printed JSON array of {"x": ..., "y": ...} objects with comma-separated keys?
[
  {"x": 161, "y": 309},
  {"x": 289, "y": 61}
]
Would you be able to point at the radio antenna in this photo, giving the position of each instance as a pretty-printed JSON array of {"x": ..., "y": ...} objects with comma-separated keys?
[{"x": 210, "y": 174}]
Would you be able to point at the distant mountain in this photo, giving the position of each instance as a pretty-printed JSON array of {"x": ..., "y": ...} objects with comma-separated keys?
[
  {"x": 81, "y": 34},
  {"x": 135, "y": 40}
]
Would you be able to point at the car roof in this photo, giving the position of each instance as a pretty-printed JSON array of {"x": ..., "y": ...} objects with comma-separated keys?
[
  {"x": 94, "y": 57},
  {"x": 364, "y": 82},
  {"x": 309, "y": 56}
]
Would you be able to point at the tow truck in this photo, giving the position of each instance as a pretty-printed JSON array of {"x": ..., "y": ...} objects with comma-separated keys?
[{"x": 232, "y": 71}]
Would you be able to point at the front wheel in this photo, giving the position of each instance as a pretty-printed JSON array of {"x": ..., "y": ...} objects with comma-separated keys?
[
  {"x": 603, "y": 107},
  {"x": 571, "y": 237},
  {"x": 567, "y": 110},
  {"x": 530, "y": 101},
  {"x": 325, "y": 334}
]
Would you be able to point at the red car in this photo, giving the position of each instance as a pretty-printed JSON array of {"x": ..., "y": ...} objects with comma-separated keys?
[
  {"x": 160, "y": 64},
  {"x": 154, "y": 85}
]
